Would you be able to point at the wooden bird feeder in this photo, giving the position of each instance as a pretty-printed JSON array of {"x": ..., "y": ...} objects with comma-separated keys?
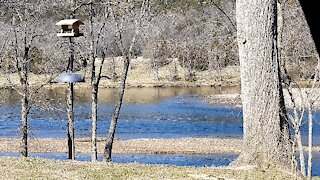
[{"x": 69, "y": 28}]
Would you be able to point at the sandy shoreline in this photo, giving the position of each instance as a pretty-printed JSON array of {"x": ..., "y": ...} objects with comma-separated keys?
[
  {"x": 132, "y": 146},
  {"x": 143, "y": 146}
]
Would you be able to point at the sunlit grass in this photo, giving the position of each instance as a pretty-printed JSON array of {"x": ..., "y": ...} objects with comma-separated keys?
[{"x": 36, "y": 168}]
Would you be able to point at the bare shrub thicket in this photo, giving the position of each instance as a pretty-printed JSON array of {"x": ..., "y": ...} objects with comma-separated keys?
[
  {"x": 195, "y": 35},
  {"x": 300, "y": 61}
]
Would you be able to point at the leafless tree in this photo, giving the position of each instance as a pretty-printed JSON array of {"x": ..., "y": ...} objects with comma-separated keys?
[
  {"x": 128, "y": 9},
  {"x": 23, "y": 48},
  {"x": 96, "y": 76},
  {"x": 294, "y": 46}
]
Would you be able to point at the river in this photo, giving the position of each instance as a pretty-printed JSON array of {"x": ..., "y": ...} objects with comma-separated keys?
[{"x": 146, "y": 113}]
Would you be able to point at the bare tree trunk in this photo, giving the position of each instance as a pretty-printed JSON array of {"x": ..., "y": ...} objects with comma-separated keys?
[
  {"x": 294, "y": 164},
  {"x": 115, "y": 116},
  {"x": 127, "y": 58},
  {"x": 210, "y": 64},
  {"x": 94, "y": 111},
  {"x": 113, "y": 70},
  {"x": 25, "y": 101},
  {"x": 174, "y": 72},
  {"x": 297, "y": 136},
  {"x": 155, "y": 68},
  {"x": 94, "y": 93},
  {"x": 218, "y": 66},
  {"x": 24, "y": 123},
  {"x": 300, "y": 147},
  {"x": 266, "y": 130},
  {"x": 310, "y": 118}
]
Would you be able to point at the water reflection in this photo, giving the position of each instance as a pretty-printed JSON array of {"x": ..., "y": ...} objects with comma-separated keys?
[
  {"x": 146, "y": 113},
  {"x": 186, "y": 115},
  {"x": 108, "y": 95}
]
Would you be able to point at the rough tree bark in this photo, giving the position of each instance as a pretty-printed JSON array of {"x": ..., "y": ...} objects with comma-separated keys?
[
  {"x": 24, "y": 121},
  {"x": 25, "y": 101},
  {"x": 94, "y": 94},
  {"x": 266, "y": 131}
]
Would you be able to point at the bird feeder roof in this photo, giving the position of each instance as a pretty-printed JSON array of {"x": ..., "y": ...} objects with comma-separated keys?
[
  {"x": 69, "y": 22},
  {"x": 70, "y": 78}
]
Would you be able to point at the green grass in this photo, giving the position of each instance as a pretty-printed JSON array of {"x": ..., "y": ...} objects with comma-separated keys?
[{"x": 35, "y": 168}]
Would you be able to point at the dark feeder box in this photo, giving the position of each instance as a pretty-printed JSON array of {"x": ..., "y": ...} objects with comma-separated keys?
[{"x": 70, "y": 78}]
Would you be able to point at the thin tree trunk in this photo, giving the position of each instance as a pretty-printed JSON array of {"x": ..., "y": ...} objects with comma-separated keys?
[
  {"x": 266, "y": 130},
  {"x": 297, "y": 133},
  {"x": 24, "y": 128},
  {"x": 310, "y": 117},
  {"x": 127, "y": 58},
  {"x": 115, "y": 116},
  {"x": 294, "y": 169},
  {"x": 113, "y": 70},
  {"x": 218, "y": 61},
  {"x": 94, "y": 93},
  {"x": 210, "y": 64},
  {"x": 94, "y": 111},
  {"x": 155, "y": 69},
  {"x": 25, "y": 101},
  {"x": 301, "y": 155}
]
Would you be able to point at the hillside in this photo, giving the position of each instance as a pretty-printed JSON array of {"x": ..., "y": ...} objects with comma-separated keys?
[{"x": 200, "y": 36}]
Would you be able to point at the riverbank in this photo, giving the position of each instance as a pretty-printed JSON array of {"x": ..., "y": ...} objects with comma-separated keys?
[
  {"x": 132, "y": 146},
  {"x": 35, "y": 168},
  {"x": 135, "y": 146},
  {"x": 141, "y": 74}
]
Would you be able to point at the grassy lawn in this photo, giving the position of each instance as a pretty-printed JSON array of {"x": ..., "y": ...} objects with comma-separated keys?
[{"x": 35, "y": 168}]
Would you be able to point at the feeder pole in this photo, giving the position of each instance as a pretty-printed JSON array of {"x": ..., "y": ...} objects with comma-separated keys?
[{"x": 70, "y": 99}]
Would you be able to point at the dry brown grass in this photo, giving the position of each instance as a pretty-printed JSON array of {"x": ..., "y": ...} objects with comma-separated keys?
[
  {"x": 141, "y": 75},
  {"x": 35, "y": 168},
  {"x": 144, "y": 146},
  {"x": 134, "y": 146}
]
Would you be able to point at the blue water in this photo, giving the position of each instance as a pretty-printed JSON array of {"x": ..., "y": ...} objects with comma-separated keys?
[
  {"x": 179, "y": 116},
  {"x": 168, "y": 159},
  {"x": 185, "y": 115}
]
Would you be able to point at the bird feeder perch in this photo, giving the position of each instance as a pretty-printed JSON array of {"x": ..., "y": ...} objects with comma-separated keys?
[{"x": 69, "y": 28}]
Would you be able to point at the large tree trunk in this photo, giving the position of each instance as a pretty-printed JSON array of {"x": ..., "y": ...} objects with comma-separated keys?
[
  {"x": 266, "y": 130},
  {"x": 115, "y": 116}
]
